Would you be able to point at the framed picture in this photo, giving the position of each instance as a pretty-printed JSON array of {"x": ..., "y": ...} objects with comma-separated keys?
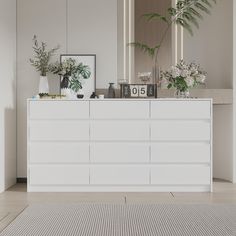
[{"x": 89, "y": 84}]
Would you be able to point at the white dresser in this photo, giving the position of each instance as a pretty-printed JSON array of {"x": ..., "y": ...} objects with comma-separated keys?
[{"x": 143, "y": 145}]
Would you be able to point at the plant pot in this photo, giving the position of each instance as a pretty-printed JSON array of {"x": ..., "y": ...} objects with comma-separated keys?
[{"x": 43, "y": 85}]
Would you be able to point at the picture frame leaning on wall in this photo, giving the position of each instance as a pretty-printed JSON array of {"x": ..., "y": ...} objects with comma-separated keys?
[{"x": 89, "y": 85}]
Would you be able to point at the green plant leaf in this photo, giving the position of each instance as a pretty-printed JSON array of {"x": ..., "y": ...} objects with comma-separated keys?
[
  {"x": 172, "y": 11},
  {"x": 145, "y": 48},
  {"x": 207, "y": 3},
  {"x": 195, "y": 13},
  {"x": 185, "y": 25},
  {"x": 189, "y": 17},
  {"x": 155, "y": 16},
  {"x": 202, "y": 7},
  {"x": 186, "y": 13},
  {"x": 75, "y": 85}
]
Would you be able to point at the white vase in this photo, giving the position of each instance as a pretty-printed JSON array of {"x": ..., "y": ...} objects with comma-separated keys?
[{"x": 43, "y": 85}]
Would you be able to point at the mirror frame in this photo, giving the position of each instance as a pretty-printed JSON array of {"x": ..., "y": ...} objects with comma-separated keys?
[{"x": 128, "y": 15}]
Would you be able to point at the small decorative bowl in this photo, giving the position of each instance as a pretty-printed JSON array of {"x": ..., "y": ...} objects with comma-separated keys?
[{"x": 80, "y": 96}]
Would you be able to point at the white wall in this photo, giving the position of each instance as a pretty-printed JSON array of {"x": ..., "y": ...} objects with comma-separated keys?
[
  {"x": 8, "y": 93},
  {"x": 49, "y": 24},
  {"x": 223, "y": 142},
  {"x": 212, "y": 46},
  {"x": 79, "y": 26},
  {"x": 92, "y": 28},
  {"x": 234, "y": 87}
]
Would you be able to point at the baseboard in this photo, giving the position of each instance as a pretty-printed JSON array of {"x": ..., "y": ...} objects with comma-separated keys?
[{"x": 21, "y": 180}]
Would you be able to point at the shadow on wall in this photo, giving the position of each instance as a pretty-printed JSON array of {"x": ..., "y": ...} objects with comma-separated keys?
[
  {"x": 10, "y": 147},
  {"x": 10, "y": 140}
]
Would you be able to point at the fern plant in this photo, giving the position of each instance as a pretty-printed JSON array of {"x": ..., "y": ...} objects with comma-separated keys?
[
  {"x": 186, "y": 13},
  {"x": 42, "y": 57}
]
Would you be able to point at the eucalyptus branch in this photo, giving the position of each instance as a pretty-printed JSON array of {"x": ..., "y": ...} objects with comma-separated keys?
[{"x": 42, "y": 57}]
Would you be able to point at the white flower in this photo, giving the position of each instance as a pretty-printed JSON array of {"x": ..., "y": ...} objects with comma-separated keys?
[
  {"x": 185, "y": 73},
  {"x": 175, "y": 72},
  {"x": 201, "y": 79},
  {"x": 194, "y": 69},
  {"x": 189, "y": 81},
  {"x": 194, "y": 73}
]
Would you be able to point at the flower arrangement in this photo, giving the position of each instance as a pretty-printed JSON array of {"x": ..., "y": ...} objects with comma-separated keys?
[
  {"x": 183, "y": 76},
  {"x": 42, "y": 57},
  {"x": 72, "y": 73}
]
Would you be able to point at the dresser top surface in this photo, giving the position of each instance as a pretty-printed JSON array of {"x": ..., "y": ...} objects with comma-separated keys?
[{"x": 123, "y": 99}]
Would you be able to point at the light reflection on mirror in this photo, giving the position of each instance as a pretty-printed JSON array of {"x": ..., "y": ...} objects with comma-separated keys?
[{"x": 132, "y": 27}]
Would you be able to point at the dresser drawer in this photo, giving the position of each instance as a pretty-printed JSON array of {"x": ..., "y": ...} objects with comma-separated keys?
[
  {"x": 180, "y": 130},
  {"x": 59, "y": 175},
  {"x": 180, "y": 175},
  {"x": 64, "y": 152},
  {"x": 119, "y": 130},
  {"x": 180, "y": 153},
  {"x": 59, "y": 110},
  {"x": 181, "y": 109},
  {"x": 119, "y": 175},
  {"x": 59, "y": 130},
  {"x": 119, "y": 153},
  {"x": 119, "y": 109}
]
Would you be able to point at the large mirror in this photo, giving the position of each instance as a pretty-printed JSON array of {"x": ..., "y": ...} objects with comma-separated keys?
[{"x": 132, "y": 27}]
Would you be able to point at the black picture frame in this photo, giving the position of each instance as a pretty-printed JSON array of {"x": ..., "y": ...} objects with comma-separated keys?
[{"x": 89, "y": 85}]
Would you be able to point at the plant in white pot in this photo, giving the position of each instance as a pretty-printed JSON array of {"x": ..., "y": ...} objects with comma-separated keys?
[
  {"x": 72, "y": 75},
  {"x": 41, "y": 62}
]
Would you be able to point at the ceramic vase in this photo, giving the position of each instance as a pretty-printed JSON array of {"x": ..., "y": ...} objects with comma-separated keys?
[{"x": 43, "y": 85}]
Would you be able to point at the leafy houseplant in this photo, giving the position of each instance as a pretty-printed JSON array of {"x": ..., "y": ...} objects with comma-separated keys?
[
  {"x": 72, "y": 73},
  {"x": 186, "y": 13},
  {"x": 182, "y": 77},
  {"x": 41, "y": 62},
  {"x": 42, "y": 56}
]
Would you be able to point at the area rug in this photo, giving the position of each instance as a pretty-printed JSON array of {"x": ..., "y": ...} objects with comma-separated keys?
[{"x": 124, "y": 220}]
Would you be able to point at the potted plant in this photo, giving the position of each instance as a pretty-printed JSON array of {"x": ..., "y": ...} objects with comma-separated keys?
[
  {"x": 72, "y": 74},
  {"x": 41, "y": 62},
  {"x": 186, "y": 13},
  {"x": 183, "y": 77}
]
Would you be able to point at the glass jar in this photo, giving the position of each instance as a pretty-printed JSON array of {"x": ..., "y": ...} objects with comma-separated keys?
[{"x": 182, "y": 94}]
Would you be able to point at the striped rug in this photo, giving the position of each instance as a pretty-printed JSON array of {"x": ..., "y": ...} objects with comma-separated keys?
[{"x": 124, "y": 220}]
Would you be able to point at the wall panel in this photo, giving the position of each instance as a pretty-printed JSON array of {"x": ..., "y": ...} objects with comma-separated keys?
[
  {"x": 92, "y": 28},
  {"x": 46, "y": 19},
  {"x": 8, "y": 94}
]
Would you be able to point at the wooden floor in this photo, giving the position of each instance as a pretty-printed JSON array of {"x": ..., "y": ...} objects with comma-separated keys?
[{"x": 16, "y": 199}]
